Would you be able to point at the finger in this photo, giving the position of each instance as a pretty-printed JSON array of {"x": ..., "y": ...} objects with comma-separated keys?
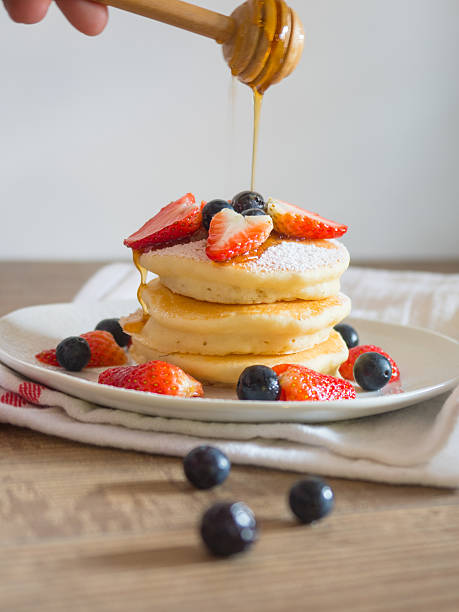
[
  {"x": 88, "y": 17},
  {"x": 27, "y": 11}
]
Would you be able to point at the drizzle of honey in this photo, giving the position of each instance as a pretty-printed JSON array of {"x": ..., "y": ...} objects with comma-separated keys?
[
  {"x": 136, "y": 323},
  {"x": 257, "y": 100}
]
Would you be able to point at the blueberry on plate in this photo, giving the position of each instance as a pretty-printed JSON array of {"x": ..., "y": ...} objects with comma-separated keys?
[
  {"x": 253, "y": 212},
  {"x": 211, "y": 209},
  {"x": 73, "y": 353},
  {"x": 311, "y": 499},
  {"x": 206, "y": 466},
  {"x": 113, "y": 326},
  {"x": 228, "y": 528},
  {"x": 372, "y": 371},
  {"x": 348, "y": 334},
  {"x": 258, "y": 382},
  {"x": 247, "y": 199}
]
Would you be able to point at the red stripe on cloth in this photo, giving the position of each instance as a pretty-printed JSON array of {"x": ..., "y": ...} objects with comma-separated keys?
[
  {"x": 13, "y": 399},
  {"x": 30, "y": 391}
]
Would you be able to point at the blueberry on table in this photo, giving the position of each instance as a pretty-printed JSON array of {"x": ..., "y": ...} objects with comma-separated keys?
[
  {"x": 247, "y": 199},
  {"x": 258, "y": 382},
  {"x": 311, "y": 499},
  {"x": 211, "y": 209},
  {"x": 348, "y": 334},
  {"x": 73, "y": 353},
  {"x": 113, "y": 326},
  {"x": 372, "y": 371},
  {"x": 206, "y": 466},
  {"x": 228, "y": 528},
  {"x": 253, "y": 212}
]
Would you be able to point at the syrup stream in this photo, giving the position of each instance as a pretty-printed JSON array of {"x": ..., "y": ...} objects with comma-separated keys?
[
  {"x": 257, "y": 100},
  {"x": 143, "y": 280}
]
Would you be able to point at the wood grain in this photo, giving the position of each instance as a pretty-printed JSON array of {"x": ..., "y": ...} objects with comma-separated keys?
[{"x": 92, "y": 529}]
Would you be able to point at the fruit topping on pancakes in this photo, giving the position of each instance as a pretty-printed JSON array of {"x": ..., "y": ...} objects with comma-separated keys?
[
  {"x": 154, "y": 377},
  {"x": 177, "y": 220},
  {"x": 210, "y": 209},
  {"x": 246, "y": 224},
  {"x": 246, "y": 200},
  {"x": 232, "y": 234},
  {"x": 295, "y": 222},
  {"x": 300, "y": 383}
]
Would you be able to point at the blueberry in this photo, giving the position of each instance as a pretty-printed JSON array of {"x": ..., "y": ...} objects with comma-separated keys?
[
  {"x": 252, "y": 212},
  {"x": 258, "y": 382},
  {"x": 73, "y": 353},
  {"x": 372, "y": 371},
  {"x": 247, "y": 199},
  {"x": 348, "y": 334},
  {"x": 113, "y": 326},
  {"x": 228, "y": 528},
  {"x": 311, "y": 499},
  {"x": 206, "y": 466},
  {"x": 211, "y": 209}
]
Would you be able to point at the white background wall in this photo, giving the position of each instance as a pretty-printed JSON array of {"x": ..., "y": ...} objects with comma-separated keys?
[{"x": 98, "y": 134}]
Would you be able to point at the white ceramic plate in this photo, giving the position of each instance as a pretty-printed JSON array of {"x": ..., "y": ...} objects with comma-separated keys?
[{"x": 429, "y": 365}]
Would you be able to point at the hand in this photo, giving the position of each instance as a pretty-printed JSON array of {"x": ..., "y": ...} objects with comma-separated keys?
[{"x": 88, "y": 17}]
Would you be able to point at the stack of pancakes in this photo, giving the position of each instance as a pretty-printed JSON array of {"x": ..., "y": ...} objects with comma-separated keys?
[{"x": 215, "y": 319}]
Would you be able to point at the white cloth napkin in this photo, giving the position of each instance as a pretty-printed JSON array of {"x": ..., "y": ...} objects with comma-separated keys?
[{"x": 415, "y": 445}]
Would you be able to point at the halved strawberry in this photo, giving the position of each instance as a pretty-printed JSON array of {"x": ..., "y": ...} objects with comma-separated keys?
[
  {"x": 174, "y": 221},
  {"x": 48, "y": 357},
  {"x": 155, "y": 377},
  {"x": 232, "y": 234},
  {"x": 347, "y": 368},
  {"x": 296, "y": 222},
  {"x": 104, "y": 351},
  {"x": 299, "y": 383}
]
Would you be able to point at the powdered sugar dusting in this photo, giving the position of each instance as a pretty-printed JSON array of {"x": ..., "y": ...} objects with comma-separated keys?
[
  {"x": 288, "y": 256},
  {"x": 293, "y": 256}
]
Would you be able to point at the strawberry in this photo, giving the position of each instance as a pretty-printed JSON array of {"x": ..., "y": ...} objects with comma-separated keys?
[
  {"x": 174, "y": 221},
  {"x": 300, "y": 383},
  {"x": 232, "y": 234},
  {"x": 347, "y": 368},
  {"x": 155, "y": 377},
  {"x": 296, "y": 222},
  {"x": 104, "y": 351},
  {"x": 48, "y": 357}
]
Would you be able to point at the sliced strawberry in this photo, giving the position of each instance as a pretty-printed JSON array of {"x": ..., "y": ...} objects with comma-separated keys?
[
  {"x": 155, "y": 377},
  {"x": 296, "y": 222},
  {"x": 48, "y": 357},
  {"x": 299, "y": 383},
  {"x": 174, "y": 221},
  {"x": 232, "y": 234},
  {"x": 104, "y": 349},
  {"x": 347, "y": 368}
]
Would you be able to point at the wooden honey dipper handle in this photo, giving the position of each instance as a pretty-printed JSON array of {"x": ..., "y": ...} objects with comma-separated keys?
[{"x": 182, "y": 15}]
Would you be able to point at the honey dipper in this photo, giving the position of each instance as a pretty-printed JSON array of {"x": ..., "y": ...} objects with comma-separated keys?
[{"x": 262, "y": 39}]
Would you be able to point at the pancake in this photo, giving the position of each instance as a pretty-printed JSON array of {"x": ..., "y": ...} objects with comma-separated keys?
[
  {"x": 325, "y": 357},
  {"x": 183, "y": 325},
  {"x": 283, "y": 270}
]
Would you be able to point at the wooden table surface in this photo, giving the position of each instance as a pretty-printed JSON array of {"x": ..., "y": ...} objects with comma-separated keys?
[{"x": 92, "y": 529}]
